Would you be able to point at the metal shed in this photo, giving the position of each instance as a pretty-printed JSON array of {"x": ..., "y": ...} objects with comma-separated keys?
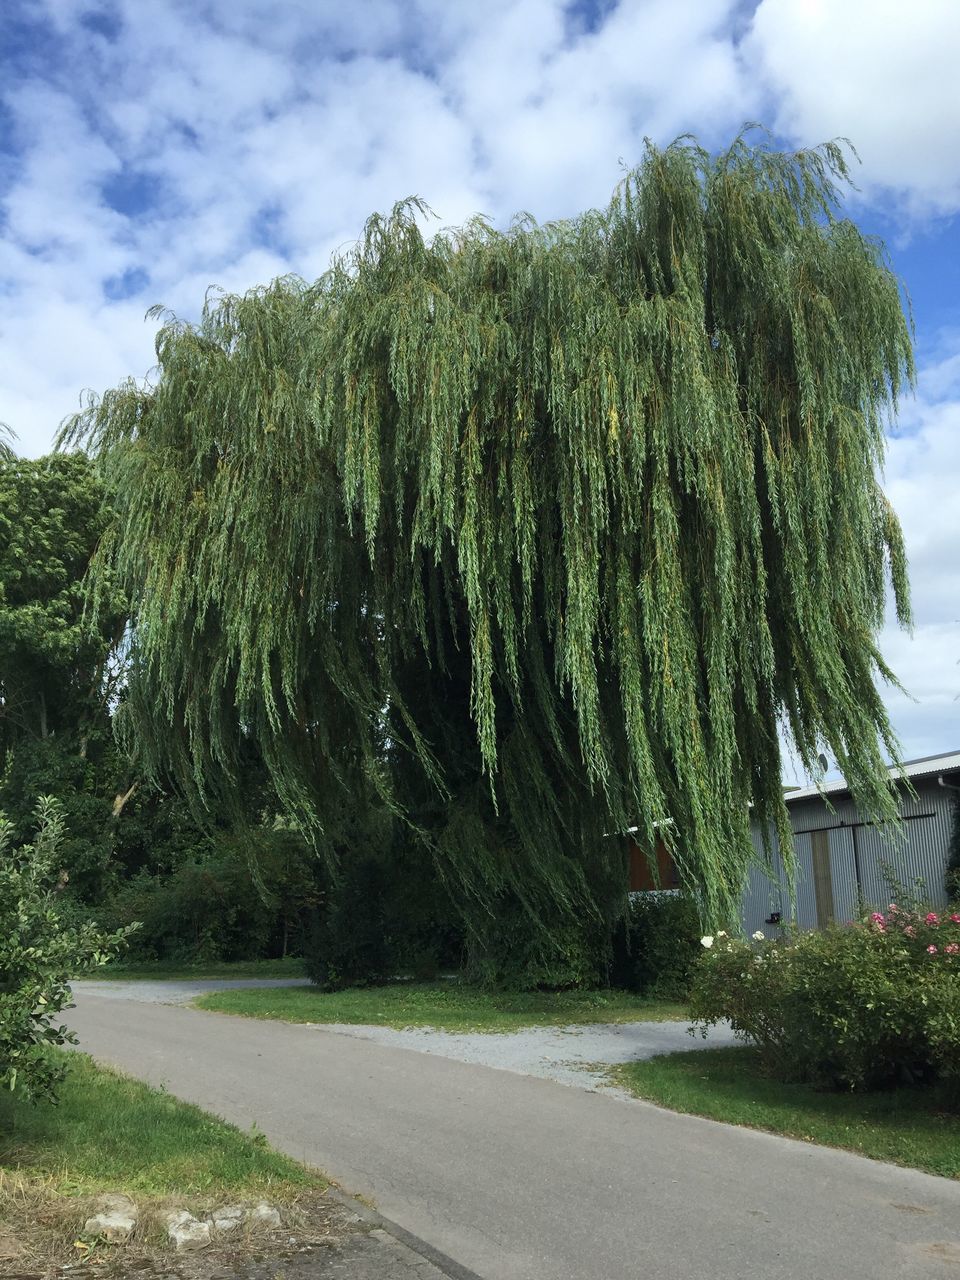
[{"x": 844, "y": 859}]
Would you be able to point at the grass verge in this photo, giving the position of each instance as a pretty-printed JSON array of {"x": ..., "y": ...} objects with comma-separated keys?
[
  {"x": 447, "y": 1006},
  {"x": 112, "y": 1133},
  {"x": 910, "y": 1127},
  {"x": 289, "y": 967}
]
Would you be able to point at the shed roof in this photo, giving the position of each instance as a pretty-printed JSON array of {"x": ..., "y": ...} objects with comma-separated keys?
[{"x": 925, "y": 766}]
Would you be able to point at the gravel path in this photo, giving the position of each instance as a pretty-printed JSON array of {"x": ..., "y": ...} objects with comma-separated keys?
[
  {"x": 572, "y": 1055},
  {"x": 157, "y": 991}
]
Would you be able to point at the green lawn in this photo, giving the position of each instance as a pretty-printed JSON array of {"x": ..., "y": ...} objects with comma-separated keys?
[
  {"x": 112, "y": 1133},
  {"x": 906, "y": 1126},
  {"x": 446, "y": 1005},
  {"x": 289, "y": 967}
]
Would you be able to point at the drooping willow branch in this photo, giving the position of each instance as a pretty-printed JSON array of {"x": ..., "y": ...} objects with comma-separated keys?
[{"x": 532, "y": 535}]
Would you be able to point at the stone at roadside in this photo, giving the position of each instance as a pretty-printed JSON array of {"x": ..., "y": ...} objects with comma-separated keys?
[
  {"x": 115, "y": 1218},
  {"x": 228, "y": 1217},
  {"x": 186, "y": 1231},
  {"x": 264, "y": 1215}
]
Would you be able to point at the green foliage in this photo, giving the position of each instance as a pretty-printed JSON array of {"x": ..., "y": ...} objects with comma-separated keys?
[
  {"x": 60, "y": 674},
  {"x": 528, "y": 536},
  {"x": 382, "y": 917},
  {"x": 225, "y": 897},
  {"x": 348, "y": 946},
  {"x": 39, "y": 954},
  {"x": 503, "y": 951},
  {"x": 55, "y": 665},
  {"x": 861, "y": 1006},
  {"x": 657, "y": 945}
]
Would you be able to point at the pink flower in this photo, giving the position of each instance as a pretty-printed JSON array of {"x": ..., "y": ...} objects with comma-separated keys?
[
  {"x": 932, "y": 950},
  {"x": 910, "y": 931},
  {"x": 876, "y": 918},
  {"x": 933, "y": 918},
  {"x": 955, "y": 918},
  {"x": 952, "y": 948}
]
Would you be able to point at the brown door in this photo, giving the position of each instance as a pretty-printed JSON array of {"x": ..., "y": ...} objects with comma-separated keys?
[{"x": 822, "y": 878}]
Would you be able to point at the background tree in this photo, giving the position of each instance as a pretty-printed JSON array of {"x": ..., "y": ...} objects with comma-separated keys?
[
  {"x": 526, "y": 537},
  {"x": 60, "y": 675}
]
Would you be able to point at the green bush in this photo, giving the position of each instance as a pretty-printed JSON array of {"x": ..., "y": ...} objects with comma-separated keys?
[
  {"x": 384, "y": 917},
  {"x": 860, "y": 1006},
  {"x": 348, "y": 945},
  {"x": 39, "y": 953},
  {"x": 657, "y": 945},
  {"x": 241, "y": 896},
  {"x": 504, "y": 951}
]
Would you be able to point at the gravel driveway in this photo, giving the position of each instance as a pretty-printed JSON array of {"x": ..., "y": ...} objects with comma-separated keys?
[
  {"x": 156, "y": 991},
  {"x": 570, "y": 1055},
  {"x": 573, "y": 1055}
]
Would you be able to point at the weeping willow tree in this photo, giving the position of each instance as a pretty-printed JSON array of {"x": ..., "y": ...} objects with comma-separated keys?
[{"x": 525, "y": 537}]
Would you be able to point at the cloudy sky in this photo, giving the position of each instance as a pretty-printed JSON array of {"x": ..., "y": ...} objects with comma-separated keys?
[{"x": 150, "y": 148}]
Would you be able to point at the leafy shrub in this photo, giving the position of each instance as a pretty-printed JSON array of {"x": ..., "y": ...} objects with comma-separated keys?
[
  {"x": 657, "y": 945},
  {"x": 505, "y": 951},
  {"x": 233, "y": 897},
  {"x": 348, "y": 945},
  {"x": 384, "y": 917},
  {"x": 858, "y": 1006},
  {"x": 39, "y": 954}
]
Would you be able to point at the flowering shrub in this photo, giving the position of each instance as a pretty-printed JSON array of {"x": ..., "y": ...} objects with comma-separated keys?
[{"x": 857, "y": 1006}]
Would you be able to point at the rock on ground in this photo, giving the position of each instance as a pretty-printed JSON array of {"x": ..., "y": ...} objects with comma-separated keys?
[
  {"x": 264, "y": 1215},
  {"x": 186, "y": 1232},
  {"x": 228, "y": 1217},
  {"x": 114, "y": 1220}
]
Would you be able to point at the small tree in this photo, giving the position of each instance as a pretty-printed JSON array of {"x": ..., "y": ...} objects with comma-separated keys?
[{"x": 39, "y": 954}]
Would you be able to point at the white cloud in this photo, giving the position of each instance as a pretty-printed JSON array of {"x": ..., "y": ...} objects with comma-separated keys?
[
  {"x": 880, "y": 72},
  {"x": 253, "y": 143},
  {"x": 253, "y": 140},
  {"x": 923, "y": 481}
]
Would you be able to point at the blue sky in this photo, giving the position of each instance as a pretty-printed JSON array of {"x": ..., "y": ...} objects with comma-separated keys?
[{"x": 148, "y": 150}]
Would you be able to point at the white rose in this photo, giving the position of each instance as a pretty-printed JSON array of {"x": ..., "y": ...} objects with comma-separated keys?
[
  {"x": 707, "y": 941},
  {"x": 759, "y": 936},
  {"x": 721, "y": 934}
]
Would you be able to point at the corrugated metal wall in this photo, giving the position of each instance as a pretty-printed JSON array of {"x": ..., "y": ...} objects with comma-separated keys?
[{"x": 921, "y": 855}]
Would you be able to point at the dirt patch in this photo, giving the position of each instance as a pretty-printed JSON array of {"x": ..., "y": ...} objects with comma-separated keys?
[{"x": 41, "y": 1238}]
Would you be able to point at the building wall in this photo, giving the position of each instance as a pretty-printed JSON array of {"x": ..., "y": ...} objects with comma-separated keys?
[{"x": 840, "y": 834}]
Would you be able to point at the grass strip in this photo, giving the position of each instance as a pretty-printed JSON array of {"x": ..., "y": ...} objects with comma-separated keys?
[
  {"x": 447, "y": 1006},
  {"x": 909, "y": 1126},
  {"x": 112, "y": 1133}
]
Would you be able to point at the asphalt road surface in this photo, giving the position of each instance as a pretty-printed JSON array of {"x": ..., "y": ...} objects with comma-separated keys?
[{"x": 518, "y": 1178}]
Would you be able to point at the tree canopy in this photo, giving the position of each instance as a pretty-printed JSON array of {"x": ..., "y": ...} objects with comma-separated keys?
[
  {"x": 59, "y": 673},
  {"x": 529, "y": 536}
]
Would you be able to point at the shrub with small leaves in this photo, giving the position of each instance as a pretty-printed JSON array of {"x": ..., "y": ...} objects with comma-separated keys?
[
  {"x": 865, "y": 1005},
  {"x": 39, "y": 954},
  {"x": 655, "y": 947}
]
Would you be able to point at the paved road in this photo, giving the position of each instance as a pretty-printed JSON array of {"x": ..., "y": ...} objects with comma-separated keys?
[{"x": 522, "y": 1179}]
